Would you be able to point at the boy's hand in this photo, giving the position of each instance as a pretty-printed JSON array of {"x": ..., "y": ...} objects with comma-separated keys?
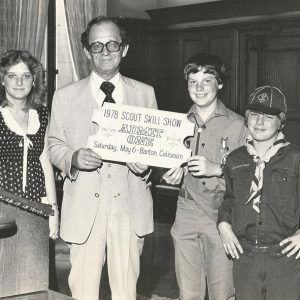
[
  {"x": 293, "y": 246},
  {"x": 201, "y": 166},
  {"x": 138, "y": 168},
  {"x": 173, "y": 176},
  {"x": 230, "y": 241}
]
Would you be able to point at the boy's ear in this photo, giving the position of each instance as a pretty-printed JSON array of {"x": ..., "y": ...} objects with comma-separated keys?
[
  {"x": 220, "y": 85},
  {"x": 281, "y": 127}
]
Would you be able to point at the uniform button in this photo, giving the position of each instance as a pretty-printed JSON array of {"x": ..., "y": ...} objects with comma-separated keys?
[
  {"x": 260, "y": 223},
  {"x": 203, "y": 182},
  {"x": 96, "y": 195},
  {"x": 109, "y": 176},
  {"x": 203, "y": 144},
  {"x": 109, "y": 165}
]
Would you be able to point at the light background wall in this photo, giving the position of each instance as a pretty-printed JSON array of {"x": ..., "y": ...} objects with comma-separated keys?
[{"x": 64, "y": 63}]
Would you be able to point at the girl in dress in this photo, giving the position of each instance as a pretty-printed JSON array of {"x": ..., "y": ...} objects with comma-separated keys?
[{"x": 27, "y": 186}]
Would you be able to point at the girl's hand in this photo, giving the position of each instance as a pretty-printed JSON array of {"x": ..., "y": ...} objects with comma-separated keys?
[{"x": 54, "y": 223}]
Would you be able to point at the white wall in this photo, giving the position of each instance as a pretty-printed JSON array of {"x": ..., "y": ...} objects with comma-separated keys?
[{"x": 64, "y": 63}]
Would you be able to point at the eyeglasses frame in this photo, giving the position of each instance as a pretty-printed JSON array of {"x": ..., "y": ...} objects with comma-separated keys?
[{"x": 105, "y": 45}]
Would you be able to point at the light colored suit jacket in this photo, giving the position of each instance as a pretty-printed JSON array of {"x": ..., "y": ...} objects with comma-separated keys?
[{"x": 70, "y": 126}]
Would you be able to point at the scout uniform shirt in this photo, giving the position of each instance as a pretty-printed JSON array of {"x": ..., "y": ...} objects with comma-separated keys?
[{"x": 222, "y": 132}]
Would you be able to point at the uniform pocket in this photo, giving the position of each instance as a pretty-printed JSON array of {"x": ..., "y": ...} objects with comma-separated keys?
[
  {"x": 241, "y": 180},
  {"x": 286, "y": 266},
  {"x": 284, "y": 182}
]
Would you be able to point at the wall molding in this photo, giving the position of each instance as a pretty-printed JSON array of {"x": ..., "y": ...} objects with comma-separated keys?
[{"x": 223, "y": 12}]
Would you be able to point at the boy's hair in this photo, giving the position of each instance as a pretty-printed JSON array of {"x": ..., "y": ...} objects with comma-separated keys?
[
  {"x": 210, "y": 62},
  {"x": 281, "y": 116},
  {"x": 97, "y": 21},
  {"x": 37, "y": 96}
]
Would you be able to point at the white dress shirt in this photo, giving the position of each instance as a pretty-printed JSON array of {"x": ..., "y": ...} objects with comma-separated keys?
[{"x": 99, "y": 95}]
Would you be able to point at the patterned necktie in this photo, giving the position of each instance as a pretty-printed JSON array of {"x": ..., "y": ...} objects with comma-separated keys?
[
  {"x": 107, "y": 87},
  {"x": 257, "y": 183}
]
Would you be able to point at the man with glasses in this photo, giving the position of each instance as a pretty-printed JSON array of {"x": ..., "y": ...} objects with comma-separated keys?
[{"x": 107, "y": 206}]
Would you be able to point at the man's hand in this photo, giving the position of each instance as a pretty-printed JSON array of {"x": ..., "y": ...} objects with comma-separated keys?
[
  {"x": 201, "y": 166},
  {"x": 138, "y": 169},
  {"x": 293, "y": 245},
  {"x": 85, "y": 159},
  {"x": 230, "y": 241},
  {"x": 173, "y": 176}
]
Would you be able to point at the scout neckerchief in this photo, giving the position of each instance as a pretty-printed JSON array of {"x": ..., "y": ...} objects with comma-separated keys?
[{"x": 257, "y": 182}]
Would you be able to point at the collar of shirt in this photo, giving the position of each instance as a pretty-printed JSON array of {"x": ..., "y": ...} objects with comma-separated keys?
[
  {"x": 98, "y": 94},
  {"x": 221, "y": 110}
]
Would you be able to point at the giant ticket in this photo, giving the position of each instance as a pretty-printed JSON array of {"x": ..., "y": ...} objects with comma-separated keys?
[{"x": 135, "y": 134}]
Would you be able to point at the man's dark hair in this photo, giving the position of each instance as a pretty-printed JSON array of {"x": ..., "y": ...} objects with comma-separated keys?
[
  {"x": 99, "y": 20},
  {"x": 211, "y": 63}
]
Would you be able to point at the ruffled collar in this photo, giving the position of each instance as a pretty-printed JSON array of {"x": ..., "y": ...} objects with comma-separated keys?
[
  {"x": 25, "y": 142},
  {"x": 11, "y": 123}
]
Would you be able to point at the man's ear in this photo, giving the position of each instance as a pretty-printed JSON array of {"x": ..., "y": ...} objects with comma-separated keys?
[
  {"x": 87, "y": 53},
  {"x": 124, "y": 50}
]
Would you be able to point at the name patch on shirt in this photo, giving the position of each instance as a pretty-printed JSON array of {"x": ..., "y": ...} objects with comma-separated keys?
[{"x": 240, "y": 166}]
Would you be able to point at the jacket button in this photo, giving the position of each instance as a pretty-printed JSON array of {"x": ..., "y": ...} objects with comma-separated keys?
[
  {"x": 203, "y": 182},
  {"x": 96, "y": 195},
  {"x": 109, "y": 165},
  {"x": 109, "y": 176}
]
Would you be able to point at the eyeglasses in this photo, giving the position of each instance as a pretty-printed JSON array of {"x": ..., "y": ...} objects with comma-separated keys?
[{"x": 111, "y": 46}]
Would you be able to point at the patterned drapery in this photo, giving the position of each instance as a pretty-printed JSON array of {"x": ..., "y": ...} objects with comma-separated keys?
[
  {"x": 78, "y": 14},
  {"x": 23, "y": 24}
]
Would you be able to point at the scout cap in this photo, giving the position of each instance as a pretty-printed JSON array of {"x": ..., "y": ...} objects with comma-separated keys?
[{"x": 267, "y": 99}]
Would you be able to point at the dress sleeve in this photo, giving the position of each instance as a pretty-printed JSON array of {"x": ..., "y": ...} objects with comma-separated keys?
[{"x": 43, "y": 113}]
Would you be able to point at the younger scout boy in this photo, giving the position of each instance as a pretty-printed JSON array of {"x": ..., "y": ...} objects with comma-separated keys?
[
  {"x": 259, "y": 217},
  {"x": 199, "y": 256}
]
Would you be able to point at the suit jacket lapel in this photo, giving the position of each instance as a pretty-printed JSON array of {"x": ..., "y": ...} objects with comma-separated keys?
[{"x": 129, "y": 93}]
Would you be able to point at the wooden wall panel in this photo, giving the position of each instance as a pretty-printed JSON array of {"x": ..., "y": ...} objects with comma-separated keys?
[
  {"x": 281, "y": 69},
  {"x": 173, "y": 49},
  {"x": 274, "y": 59},
  {"x": 168, "y": 72},
  {"x": 137, "y": 63},
  {"x": 193, "y": 46},
  {"x": 257, "y": 48}
]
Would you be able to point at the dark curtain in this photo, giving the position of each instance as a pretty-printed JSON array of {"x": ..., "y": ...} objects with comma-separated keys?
[
  {"x": 78, "y": 14},
  {"x": 23, "y": 24}
]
